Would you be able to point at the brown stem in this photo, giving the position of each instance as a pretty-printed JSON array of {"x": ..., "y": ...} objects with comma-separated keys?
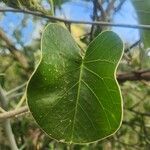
[
  {"x": 15, "y": 52},
  {"x": 134, "y": 76},
  {"x": 102, "y": 23},
  {"x": 7, "y": 123},
  {"x": 13, "y": 113}
]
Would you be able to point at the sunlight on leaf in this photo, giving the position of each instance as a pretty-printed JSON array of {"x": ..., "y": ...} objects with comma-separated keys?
[{"x": 75, "y": 98}]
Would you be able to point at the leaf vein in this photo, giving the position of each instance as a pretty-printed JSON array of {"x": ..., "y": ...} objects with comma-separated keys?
[
  {"x": 87, "y": 116},
  {"x": 97, "y": 98}
]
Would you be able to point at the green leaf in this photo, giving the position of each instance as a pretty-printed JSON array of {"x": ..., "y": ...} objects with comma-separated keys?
[
  {"x": 75, "y": 98},
  {"x": 143, "y": 12}
]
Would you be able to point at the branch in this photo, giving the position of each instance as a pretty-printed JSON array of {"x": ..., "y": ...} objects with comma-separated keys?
[
  {"x": 13, "y": 113},
  {"x": 94, "y": 18},
  {"x": 52, "y": 18},
  {"x": 103, "y": 15},
  {"x": 110, "y": 7},
  {"x": 140, "y": 113},
  {"x": 132, "y": 46},
  {"x": 119, "y": 6},
  {"x": 16, "y": 89},
  {"x": 16, "y": 53},
  {"x": 7, "y": 123},
  {"x": 134, "y": 76}
]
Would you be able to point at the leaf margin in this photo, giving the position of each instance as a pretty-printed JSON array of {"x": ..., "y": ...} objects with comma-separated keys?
[{"x": 114, "y": 75}]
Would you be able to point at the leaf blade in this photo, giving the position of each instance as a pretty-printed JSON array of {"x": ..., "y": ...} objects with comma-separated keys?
[{"x": 64, "y": 94}]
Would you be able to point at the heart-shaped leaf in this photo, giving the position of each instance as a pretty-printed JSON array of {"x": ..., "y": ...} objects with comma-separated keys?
[{"x": 76, "y": 98}]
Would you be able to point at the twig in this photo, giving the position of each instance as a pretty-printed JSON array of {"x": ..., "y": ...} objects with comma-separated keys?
[
  {"x": 15, "y": 95},
  {"x": 21, "y": 101},
  {"x": 119, "y": 6},
  {"x": 94, "y": 18},
  {"x": 140, "y": 113},
  {"x": 16, "y": 53},
  {"x": 6, "y": 123},
  {"x": 134, "y": 76},
  {"x": 14, "y": 113},
  {"x": 132, "y": 46},
  {"x": 110, "y": 7},
  {"x": 102, "y": 23},
  {"x": 16, "y": 89},
  {"x": 100, "y": 7},
  {"x": 139, "y": 102}
]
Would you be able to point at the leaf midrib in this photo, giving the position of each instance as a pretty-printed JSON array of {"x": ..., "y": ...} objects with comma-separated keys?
[{"x": 77, "y": 101}]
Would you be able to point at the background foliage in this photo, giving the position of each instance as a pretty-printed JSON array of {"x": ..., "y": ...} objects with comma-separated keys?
[{"x": 20, "y": 53}]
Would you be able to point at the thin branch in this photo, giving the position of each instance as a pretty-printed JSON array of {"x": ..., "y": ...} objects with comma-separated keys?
[
  {"x": 120, "y": 6},
  {"x": 140, "y": 113},
  {"x": 7, "y": 123},
  {"x": 21, "y": 101},
  {"x": 13, "y": 113},
  {"x": 110, "y": 7},
  {"x": 139, "y": 102},
  {"x": 16, "y": 89},
  {"x": 52, "y": 18},
  {"x": 10, "y": 135},
  {"x": 15, "y": 95},
  {"x": 134, "y": 76},
  {"x": 16, "y": 53},
  {"x": 94, "y": 18},
  {"x": 132, "y": 46},
  {"x": 100, "y": 7}
]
